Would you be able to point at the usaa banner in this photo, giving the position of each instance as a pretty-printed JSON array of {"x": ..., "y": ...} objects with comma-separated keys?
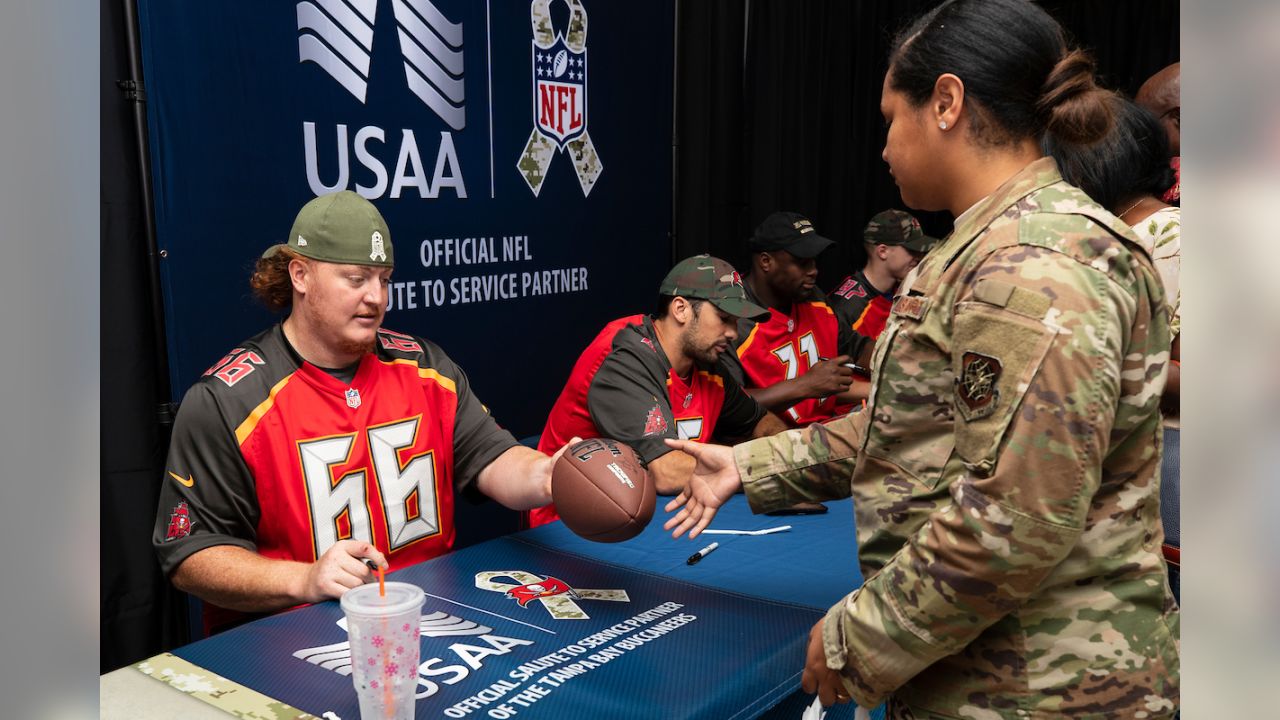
[{"x": 519, "y": 150}]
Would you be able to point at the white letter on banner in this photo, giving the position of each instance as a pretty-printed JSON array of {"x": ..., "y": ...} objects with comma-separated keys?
[
  {"x": 448, "y": 155},
  {"x": 372, "y": 163},
  {"x": 409, "y": 156},
  {"x": 313, "y": 168}
]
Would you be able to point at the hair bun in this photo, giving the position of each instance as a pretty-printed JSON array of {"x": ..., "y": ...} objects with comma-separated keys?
[{"x": 1073, "y": 107}]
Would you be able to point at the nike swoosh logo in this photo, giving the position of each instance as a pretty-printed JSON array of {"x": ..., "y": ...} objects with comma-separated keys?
[{"x": 190, "y": 481}]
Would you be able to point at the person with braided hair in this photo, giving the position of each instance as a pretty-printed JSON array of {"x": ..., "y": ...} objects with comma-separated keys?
[{"x": 1006, "y": 474}]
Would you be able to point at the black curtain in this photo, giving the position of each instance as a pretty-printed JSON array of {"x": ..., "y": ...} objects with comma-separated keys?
[
  {"x": 141, "y": 614},
  {"x": 791, "y": 121}
]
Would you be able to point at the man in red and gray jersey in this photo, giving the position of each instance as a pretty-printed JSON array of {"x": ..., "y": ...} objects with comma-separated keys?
[
  {"x": 894, "y": 244},
  {"x": 793, "y": 360},
  {"x": 649, "y": 377},
  {"x": 326, "y": 440}
]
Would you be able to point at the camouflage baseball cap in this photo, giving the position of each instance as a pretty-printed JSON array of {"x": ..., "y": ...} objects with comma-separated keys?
[
  {"x": 895, "y": 227},
  {"x": 791, "y": 232},
  {"x": 712, "y": 279},
  {"x": 340, "y": 227}
]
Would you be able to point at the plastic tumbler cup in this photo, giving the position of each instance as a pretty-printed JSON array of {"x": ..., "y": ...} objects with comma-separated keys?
[{"x": 384, "y": 648}]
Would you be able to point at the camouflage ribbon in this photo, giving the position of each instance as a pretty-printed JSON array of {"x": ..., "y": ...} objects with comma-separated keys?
[
  {"x": 539, "y": 151},
  {"x": 554, "y": 594}
]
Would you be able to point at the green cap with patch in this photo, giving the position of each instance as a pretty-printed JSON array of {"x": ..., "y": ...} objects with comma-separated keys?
[
  {"x": 341, "y": 228},
  {"x": 895, "y": 227},
  {"x": 712, "y": 279}
]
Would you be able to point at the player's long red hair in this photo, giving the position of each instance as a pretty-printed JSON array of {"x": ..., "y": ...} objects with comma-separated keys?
[{"x": 270, "y": 280}]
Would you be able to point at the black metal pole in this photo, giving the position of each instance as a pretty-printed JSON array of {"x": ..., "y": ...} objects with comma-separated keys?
[
  {"x": 135, "y": 92},
  {"x": 672, "y": 233}
]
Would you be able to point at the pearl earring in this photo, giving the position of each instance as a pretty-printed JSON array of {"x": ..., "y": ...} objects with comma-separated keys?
[{"x": 943, "y": 124}]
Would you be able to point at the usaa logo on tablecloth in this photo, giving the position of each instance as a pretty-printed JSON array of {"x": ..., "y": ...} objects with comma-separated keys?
[
  {"x": 337, "y": 36},
  {"x": 559, "y": 99}
]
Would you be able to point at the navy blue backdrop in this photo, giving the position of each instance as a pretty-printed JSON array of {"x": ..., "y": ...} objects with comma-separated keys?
[{"x": 427, "y": 109}]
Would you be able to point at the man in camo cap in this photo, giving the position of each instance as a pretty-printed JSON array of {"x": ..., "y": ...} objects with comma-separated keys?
[
  {"x": 894, "y": 244},
  {"x": 648, "y": 377}
]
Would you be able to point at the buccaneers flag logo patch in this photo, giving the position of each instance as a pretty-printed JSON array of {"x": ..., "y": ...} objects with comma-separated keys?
[
  {"x": 179, "y": 523},
  {"x": 976, "y": 386},
  {"x": 655, "y": 423}
]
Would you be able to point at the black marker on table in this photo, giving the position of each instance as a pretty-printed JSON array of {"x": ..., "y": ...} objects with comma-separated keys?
[{"x": 694, "y": 558}]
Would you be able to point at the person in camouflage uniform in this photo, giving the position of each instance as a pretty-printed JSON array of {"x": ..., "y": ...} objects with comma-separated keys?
[{"x": 1005, "y": 473}]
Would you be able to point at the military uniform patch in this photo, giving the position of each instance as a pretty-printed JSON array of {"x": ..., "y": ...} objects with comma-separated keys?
[
  {"x": 976, "y": 385},
  {"x": 912, "y": 306}
]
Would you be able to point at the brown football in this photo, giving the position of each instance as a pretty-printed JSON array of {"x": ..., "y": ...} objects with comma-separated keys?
[{"x": 601, "y": 491}]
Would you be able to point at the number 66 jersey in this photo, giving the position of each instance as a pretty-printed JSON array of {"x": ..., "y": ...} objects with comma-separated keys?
[{"x": 275, "y": 455}]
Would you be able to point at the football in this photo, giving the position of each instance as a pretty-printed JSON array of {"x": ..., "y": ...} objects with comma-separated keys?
[
  {"x": 561, "y": 62},
  {"x": 601, "y": 491}
]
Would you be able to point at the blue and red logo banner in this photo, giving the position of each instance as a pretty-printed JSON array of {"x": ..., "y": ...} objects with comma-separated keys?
[{"x": 496, "y": 212}]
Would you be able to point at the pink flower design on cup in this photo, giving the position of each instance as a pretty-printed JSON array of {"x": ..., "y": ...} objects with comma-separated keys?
[
  {"x": 392, "y": 669},
  {"x": 377, "y": 641},
  {"x": 374, "y": 684}
]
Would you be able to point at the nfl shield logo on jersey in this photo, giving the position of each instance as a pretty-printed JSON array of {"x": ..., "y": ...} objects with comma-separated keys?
[{"x": 353, "y": 398}]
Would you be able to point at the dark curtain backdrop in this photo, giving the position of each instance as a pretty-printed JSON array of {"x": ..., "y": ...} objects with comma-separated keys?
[
  {"x": 141, "y": 614},
  {"x": 791, "y": 120},
  {"x": 777, "y": 108}
]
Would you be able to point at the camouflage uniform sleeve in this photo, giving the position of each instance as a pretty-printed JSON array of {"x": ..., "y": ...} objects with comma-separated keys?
[
  {"x": 806, "y": 464},
  {"x": 1039, "y": 352}
]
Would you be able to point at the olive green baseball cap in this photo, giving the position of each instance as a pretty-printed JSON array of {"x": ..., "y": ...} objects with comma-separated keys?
[
  {"x": 895, "y": 227},
  {"x": 712, "y": 279},
  {"x": 341, "y": 228}
]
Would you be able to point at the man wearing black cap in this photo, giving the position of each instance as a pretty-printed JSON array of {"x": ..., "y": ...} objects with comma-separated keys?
[
  {"x": 793, "y": 362},
  {"x": 649, "y": 377},
  {"x": 894, "y": 244},
  {"x": 327, "y": 440}
]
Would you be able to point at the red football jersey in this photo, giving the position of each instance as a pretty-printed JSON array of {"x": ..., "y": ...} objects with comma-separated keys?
[
  {"x": 858, "y": 303},
  {"x": 786, "y": 346},
  {"x": 275, "y": 455},
  {"x": 623, "y": 387}
]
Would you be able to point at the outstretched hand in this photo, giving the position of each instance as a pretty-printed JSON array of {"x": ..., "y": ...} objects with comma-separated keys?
[{"x": 714, "y": 481}]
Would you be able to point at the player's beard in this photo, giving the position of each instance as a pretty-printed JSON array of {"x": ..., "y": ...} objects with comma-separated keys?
[
  {"x": 354, "y": 347},
  {"x": 690, "y": 348}
]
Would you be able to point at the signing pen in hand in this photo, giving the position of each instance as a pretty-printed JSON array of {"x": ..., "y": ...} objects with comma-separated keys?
[{"x": 694, "y": 558}]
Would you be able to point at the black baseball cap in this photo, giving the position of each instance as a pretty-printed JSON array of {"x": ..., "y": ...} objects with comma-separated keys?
[{"x": 791, "y": 232}]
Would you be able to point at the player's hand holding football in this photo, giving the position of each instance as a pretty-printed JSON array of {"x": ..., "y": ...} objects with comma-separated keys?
[
  {"x": 828, "y": 377},
  {"x": 339, "y": 569},
  {"x": 542, "y": 472},
  {"x": 714, "y": 481}
]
